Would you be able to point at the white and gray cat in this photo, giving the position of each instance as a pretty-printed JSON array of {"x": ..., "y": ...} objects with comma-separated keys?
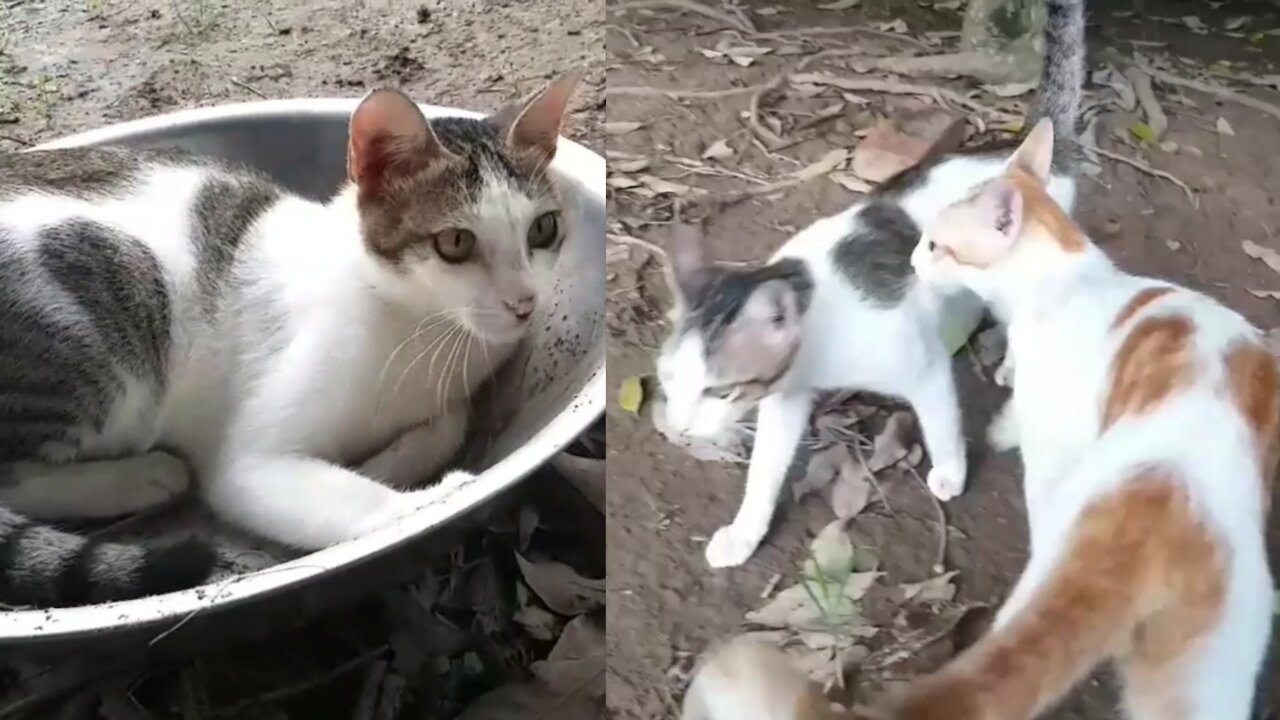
[
  {"x": 168, "y": 317},
  {"x": 838, "y": 307}
]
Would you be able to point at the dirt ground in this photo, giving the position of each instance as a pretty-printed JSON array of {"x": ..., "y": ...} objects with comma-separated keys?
[
  {"x": 427, "y": 648},
  {"x": 664, "y": 603},
  {"x": 71, "y": 66}
]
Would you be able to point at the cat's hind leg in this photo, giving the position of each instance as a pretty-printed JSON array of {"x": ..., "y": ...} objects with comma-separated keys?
[
  {"x": 93, "y": 489},
  {"x": 935, "y": 403}
]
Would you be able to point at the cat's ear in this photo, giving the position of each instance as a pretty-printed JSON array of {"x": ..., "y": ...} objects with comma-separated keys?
[
  {"x": 1035, "y": 155},
  {"x": 999, "y": 208},
  {"x": 534, "y": 123},
  {"x": 769, "y": 326},
  {"x": 389, "y": 138},
  {"x": 690, "y": 270}
]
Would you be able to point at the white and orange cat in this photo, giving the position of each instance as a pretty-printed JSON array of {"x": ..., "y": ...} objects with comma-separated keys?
[{"x": 1147, "y": 416}]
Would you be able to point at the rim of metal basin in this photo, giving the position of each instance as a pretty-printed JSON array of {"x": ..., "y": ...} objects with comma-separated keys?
[{"x": 579, "y": 165}]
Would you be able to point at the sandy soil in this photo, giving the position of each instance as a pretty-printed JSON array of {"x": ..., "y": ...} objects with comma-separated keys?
[
  {"x": 70, "y": 66},
  {"x": 664, "y": 603}
]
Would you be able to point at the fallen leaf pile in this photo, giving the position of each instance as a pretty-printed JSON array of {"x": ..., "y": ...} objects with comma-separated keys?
[{"x": 502, "y": 619}]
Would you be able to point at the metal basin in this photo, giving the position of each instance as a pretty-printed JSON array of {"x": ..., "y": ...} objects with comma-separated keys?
[{"x": 551, "y": 391}]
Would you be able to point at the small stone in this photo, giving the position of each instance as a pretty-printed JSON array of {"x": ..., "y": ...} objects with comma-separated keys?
[{"x": 424, "y": 15}]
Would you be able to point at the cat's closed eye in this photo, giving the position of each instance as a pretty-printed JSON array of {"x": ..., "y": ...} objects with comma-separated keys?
[
  {"x": 722, "y": 392},
  {"x": 544, "y": 231},
  {"x": 455, "y": 244}
]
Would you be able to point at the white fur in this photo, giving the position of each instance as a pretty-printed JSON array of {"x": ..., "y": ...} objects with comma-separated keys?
[
  {"x": 1060, "y": 311},
  {"x": 847, "y": 343},
  {"x": 325, "y": 359}
]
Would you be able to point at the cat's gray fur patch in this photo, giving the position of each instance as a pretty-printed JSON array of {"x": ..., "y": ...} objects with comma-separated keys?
[
  {"x": 225, "y": 209},
  {"x": 875, "y": 255},
  {"x": 78, "y": 172},
  {"x": 727, "y": 291},
  {"x": 117, "y": 282}
]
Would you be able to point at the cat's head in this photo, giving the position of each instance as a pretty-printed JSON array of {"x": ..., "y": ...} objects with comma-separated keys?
[
  {"x": 736, "y": 333},
  {"x": 458, "y": 214},
  {"x": 1005, "y": 223}
]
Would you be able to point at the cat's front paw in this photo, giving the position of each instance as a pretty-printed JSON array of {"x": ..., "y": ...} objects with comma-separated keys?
[
  {"x": 1004, "y": 373},
  {"x": 947, "y": 481},
  {"x": 730, "y": 547},
  {"x": 404, "y": 504}
]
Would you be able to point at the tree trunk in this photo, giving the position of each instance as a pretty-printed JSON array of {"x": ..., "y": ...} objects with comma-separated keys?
[{"x": 1011, "y": 32}]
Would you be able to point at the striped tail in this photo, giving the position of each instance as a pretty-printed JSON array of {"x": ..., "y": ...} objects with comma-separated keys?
[
  {"x": 1062, "y": 80},
  {"x": 46, "y": 567}
]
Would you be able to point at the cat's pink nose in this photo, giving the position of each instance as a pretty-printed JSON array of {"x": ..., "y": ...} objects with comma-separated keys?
[{"x": 522, "y": 308}]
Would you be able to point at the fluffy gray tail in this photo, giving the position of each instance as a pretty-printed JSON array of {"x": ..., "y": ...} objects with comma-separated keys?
[
  {"x": 1062, "y": 80},
  {"x": 46, "y": 567}
]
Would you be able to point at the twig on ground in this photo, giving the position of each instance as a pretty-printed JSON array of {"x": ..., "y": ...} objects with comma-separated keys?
[
  {"x": 941, "y": 563},
  {"x": 840, "y": 30},
  {"x": 733, "y": 7},
  {"x": 771, "y": 140},
  {"x": 289, "y": 690},
  {"x": 629, "y": 240},
  {"x": 1141, "y": 82},
  {"x": 646, "y": 91},
  {"x": 1139, "y": 165},
  {"x": 1215, "y": 90},
  {"x": 246, "y": 86},
  {"x": 687, "y": 5},
  {"x": 895, "y": 87},
  {"x": 970, "y": 64},
  {"x": 18, "y": 140}
]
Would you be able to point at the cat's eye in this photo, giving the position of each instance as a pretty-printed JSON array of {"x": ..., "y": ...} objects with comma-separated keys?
[
  {"x": 455, "y": 245},
  {"x": 544, "y": 231}
]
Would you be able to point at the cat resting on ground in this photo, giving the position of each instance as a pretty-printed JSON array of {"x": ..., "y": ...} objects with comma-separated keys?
[
  {"x": 1147, "y": 416},
  {"x": 156, "y": 306},
  {"x": 838, "y": 307}
]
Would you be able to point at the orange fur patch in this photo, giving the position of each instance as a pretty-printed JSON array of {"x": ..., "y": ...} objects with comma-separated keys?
[
  {"x": 1254, "y": 382},
  {"x": 1141, "y": 578},
  {"x": 1153, "y": 363},
  {"x": 1140, "y": 300},
  {"x": 1039, "y": 209}
]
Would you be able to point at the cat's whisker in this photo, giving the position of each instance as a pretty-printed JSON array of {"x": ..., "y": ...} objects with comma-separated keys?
[
  {"x": 437, "y": 343},
  {"x": 418, "y": 332}
]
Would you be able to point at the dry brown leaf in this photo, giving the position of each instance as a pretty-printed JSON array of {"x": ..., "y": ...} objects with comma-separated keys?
[
  {"x": 560, "y": 587},
  {"x": 851, "y": 491},
  {"x": 889, "y": 445},
  {"x": 629, "y": 166},
  {"x": 828, "y": 162},
  {"x": 1263, "y": 253},
  {"x": 1224, "y": 127},
  {"x": 1266, "y": 294},
  {"x": 852, "y": 182},
  {"x": 822, "y": 469},
  {"x": 1008, "y": 90},
  {"x": 840, "y": 5},
  {"x": 576, "y": 663},
  {"x": 663, "y": 187},
  {"x": 718, "y": 150},
  {"x": 1235, "y": 23},
  {"x": 895, "y": 26},
  {"x": 621, "y": 127},
  {"x": 1196, "y": 24},
  {"x": 711, "y": 54},
  {"x": 935, "y": 589},
  {"x": 621, "y": 182},
  {"x": 540, "y": 624}
]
